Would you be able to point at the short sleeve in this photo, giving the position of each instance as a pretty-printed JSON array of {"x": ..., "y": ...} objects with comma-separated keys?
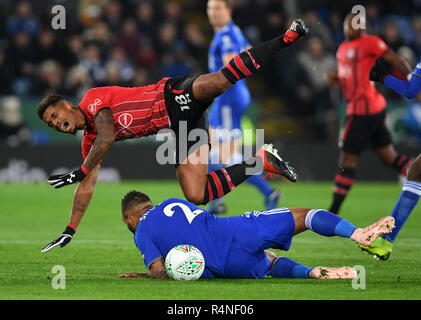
[
  {"x": 376, "y": 46},
  {"x": 147, "y": 248},
  {"x": 93, "y": 101}
]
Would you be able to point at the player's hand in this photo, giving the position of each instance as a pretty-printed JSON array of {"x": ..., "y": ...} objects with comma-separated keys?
[
  {"x": 63, "y": 240},
  {"x": 61, "y": 180},
  {"x": 134, "y": 275},
  {"x": 378, "y": 72}
]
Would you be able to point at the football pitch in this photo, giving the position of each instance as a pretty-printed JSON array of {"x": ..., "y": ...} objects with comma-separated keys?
[{"x": 31, "y": 215}]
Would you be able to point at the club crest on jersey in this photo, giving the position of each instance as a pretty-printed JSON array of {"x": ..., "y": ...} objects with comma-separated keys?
[
  {"x": 125, "y": 119},
  {"x": 92, "y": 106},
  {"x": 350, "y": 54}
]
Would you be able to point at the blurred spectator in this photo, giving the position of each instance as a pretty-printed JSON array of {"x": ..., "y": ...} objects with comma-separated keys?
[
  {"x": 416, "y": 29},
  {"x": 316, "y": 62},
  {"x": 100, "y": 36},
  {"x": 129, "y": 38},
  {"x": 113, "y": 15},
  {"x": 47, "y": 47},
  {"x": 141, "y": 78},
  {"x": 113, "y": 75},
  {"x": 147, "y": 56},
  {"x": 6, "y": 73},
  {"x": 21, "y": 56},
  {"x": 336, "y": 27},
  {"x": 173, "y": 16},
  {"x": 73, "y": 52},
  {"x": 391, "y": 36},
  {"x": 77, "y": 82},
  {"x": 49, "y": 78},
  {"x": 319, "y": 29},
  {"x": 167, "y": 37},
  {"x": 91, "y": 61},
  {"x": 118, "y": 58},
  {"x": 412, "y": 121},
  {"x": 196, "y": 45},
  {"x": 12, "y": 128},
  {"x": 373, "y": 21},
  {"x": 23, "y": 20},
  {"x": 145, "y": 21}
]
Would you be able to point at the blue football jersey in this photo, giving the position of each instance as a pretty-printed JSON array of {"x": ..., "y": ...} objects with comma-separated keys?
[
  {"x": 176, "y": 221},
  {"x": 229, "y": 107}
]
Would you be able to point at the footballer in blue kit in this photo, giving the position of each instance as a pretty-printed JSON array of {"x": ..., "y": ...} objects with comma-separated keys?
[
  {"x": 235, "y": 247},
  {"x": 228, "y": 109}
]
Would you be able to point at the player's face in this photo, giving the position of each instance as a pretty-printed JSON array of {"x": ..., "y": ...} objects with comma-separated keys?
[
  {"x": 61, "y": 117},
  {"x": 219, "y": 13}
]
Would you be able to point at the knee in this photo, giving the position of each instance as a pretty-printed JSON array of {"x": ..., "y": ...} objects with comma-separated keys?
[
  {"x": 414, "y": 170},
  {"x": 194, "y": 196}
]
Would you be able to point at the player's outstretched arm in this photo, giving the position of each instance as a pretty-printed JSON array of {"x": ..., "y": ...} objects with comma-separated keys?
[
  {"x": 156, "y": 271},
  {"x": 81, "y": 200},
  {"x": 408, "y": 89}
]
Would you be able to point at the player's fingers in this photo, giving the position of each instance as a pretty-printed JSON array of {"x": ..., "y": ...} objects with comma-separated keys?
[
  {"x": 55, "y": 177},
  {"x": 50, "y": 246},
  {"x": 59, "y": 185},
  {"x": 53, "y": 180}
]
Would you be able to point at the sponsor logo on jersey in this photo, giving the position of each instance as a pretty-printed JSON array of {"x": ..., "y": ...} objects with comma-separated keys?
[
  {"x": 125, "y": 119},
  {"x": 92, "y": 106}
]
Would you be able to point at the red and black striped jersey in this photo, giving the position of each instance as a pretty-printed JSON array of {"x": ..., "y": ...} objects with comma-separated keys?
[
  {"x": 355, "y": 59},
  {"x": 137, "y": 111}
]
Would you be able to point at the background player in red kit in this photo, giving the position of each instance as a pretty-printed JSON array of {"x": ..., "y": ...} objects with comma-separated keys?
[
  {"x": 110, "y": 114},
  {"x": 365, "y": 113}
]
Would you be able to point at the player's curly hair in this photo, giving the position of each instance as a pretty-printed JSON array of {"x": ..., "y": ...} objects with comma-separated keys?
[
  {"x": 49, "y": 100},
  {"x": 131, "y": 199}
]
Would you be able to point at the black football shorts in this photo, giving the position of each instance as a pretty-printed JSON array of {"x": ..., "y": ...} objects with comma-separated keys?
[
  {"x": 361, "y": 131},
  {"x": 189, "y": 117}
]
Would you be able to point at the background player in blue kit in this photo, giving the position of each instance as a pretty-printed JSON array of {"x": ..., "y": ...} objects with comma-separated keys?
[
  {"x": 235, "y": 247},
  {"x": 228, "y": 109},
  {"x": 411, "y": 190}
]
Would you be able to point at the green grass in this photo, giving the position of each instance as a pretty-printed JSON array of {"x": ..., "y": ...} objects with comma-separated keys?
[{"x": 31, "y": 215}]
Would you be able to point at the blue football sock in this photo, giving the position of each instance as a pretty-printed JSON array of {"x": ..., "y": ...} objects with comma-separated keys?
[
  {"x": 407, "y": 201},
  {"x": 286, "y": 268},
  {"x": 328, "y": 224}
]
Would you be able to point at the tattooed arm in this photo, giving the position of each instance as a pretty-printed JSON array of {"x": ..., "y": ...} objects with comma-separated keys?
[
  {"x": 82, "y": 197},
  {"x": 104, "y": 125},
  {"x": 105, "y": 137}
]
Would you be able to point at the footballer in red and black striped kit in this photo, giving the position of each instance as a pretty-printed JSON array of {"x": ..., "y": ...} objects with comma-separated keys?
[
  {"x": 110, "y": 114},
  {"x": 366, "y": 108}
]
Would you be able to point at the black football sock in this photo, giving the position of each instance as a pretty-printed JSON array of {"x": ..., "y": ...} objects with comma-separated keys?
[
  {"x": 401, "y": 164},
  {"x": 220, "y": 182},
  {"x": 248, "y": 62},
  {"x": 344, "y": 180}
]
